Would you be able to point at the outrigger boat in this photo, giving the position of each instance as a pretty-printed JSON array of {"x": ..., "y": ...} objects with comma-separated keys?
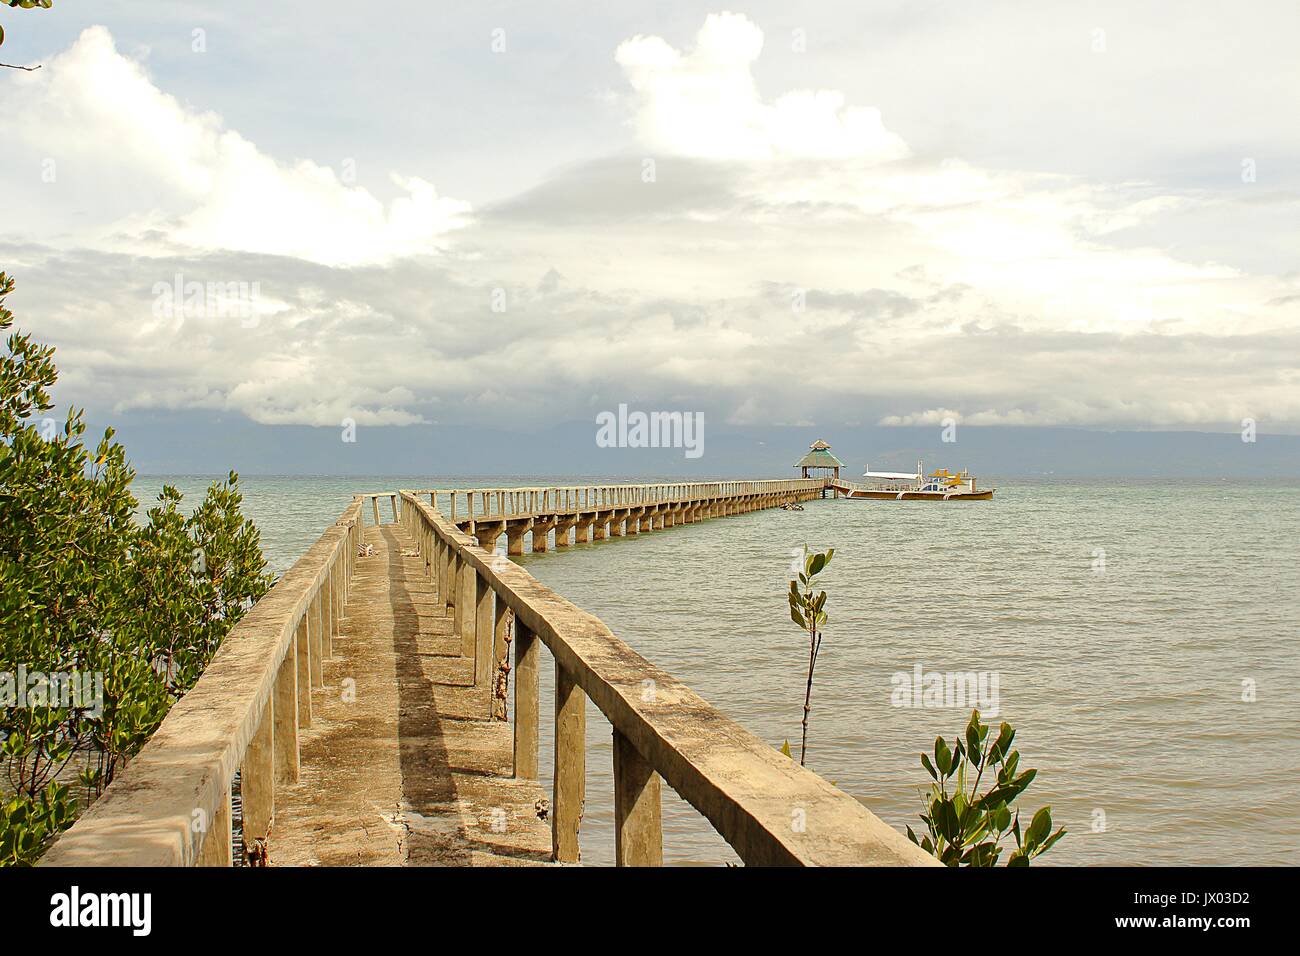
[{"x": 939, "y": 485}]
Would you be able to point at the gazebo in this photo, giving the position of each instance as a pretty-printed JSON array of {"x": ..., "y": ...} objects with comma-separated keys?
[{"x": 818, "y": 462}]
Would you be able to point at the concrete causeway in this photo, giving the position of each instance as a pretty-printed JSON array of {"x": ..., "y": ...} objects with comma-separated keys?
[{"x": 380, "y": 707}]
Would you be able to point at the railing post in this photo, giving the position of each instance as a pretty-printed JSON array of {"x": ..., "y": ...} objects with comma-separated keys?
[
  {"x": 327, "y": 615},
  {"x": 345, "y": 566},
  {"x": 466, "y": 605},
  {"x": 354, "y": 541},
  {"x": 444, "y": 574},
  {"x": 257, "y": 785},
  {"x": 315, "y": 619},
  {"x": 453, "y": 592},
  {"x": 285, "y": 710},
  {"x": 338, "y": 572},
  {"x": 375, "y": 501},
  {"x": 570, "y": 785},
  {"x": 302, "y": 651},
  {"x": 527, "y": 655},
  {"x": 483, "y": 656},
  {"x": 500, "y": 658},
  {"x": 638, "y": 830},
  {"x": 215, "y": 849}
]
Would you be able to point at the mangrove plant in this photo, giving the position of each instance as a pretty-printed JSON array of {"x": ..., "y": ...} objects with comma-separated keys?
[
  {"x": 105, "y": 620},
  {"x": 967, "y": 827},
  {"x": 808, "y": 610}
]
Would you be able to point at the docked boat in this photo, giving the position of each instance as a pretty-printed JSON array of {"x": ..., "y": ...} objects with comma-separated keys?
[{"x": 940, "y": 485}]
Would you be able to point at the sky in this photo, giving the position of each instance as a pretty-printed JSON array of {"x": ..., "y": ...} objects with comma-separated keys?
[{"x": 497, "y": 216}]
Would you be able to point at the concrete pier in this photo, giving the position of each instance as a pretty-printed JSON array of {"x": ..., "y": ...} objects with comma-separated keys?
[
  {"x": 367, "y": 700},
  {"x": 598, "y": 512}
]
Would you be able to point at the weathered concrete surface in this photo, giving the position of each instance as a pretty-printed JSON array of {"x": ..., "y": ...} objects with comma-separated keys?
[{"x": 411, "y": 771}]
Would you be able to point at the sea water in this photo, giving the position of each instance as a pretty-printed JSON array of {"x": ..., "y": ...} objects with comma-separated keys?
[{"x": 1140, "y": 635}]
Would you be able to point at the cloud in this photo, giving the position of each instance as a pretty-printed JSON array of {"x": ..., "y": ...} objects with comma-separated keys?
[
  {"x": 764, "y": 275},
  {"x": 400, "y": 344},
  {"x": 153, "y": 173},
  {"x": 611, "y": 190},
  {"x": 1037, "y": 246},
  {"x": 705, "y": 103},
  {"x": 931, "y": 416}
]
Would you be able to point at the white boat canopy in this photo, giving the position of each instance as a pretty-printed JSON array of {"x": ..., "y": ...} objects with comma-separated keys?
[{"x": 898, "y": 475}]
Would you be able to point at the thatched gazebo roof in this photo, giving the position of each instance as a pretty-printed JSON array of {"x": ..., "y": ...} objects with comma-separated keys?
[{"x": 819, "y": 456}]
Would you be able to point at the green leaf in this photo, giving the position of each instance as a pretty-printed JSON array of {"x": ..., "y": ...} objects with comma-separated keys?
[
  {"x": 1021, "y": 782},
  {"x": 1051, "y": 841},
  {"x": 942, "y": 756},
  {"x": 1039, "y": 828},
  {"x": 925, "y": 762},
  {"x": 973, "y": 742},
  {"x": 785, "y": 749},
  {"x": 1011, "y": 763},
  {"x": 948, "y": 820},
  {"x": 1006, "y": 733}
]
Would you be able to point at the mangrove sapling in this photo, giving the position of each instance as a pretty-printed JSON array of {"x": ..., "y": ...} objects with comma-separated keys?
[
  {"x": 808, "y": 611},
  {"x": 967, "y": 827}
]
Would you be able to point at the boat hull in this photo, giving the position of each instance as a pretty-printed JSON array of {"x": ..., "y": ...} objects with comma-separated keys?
[{"x": 918, "y": 495}]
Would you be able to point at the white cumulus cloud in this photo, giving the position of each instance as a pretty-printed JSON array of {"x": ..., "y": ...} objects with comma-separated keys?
[
  {"x": 105, "y": 158},
  {"x": 705, "y": 103}
]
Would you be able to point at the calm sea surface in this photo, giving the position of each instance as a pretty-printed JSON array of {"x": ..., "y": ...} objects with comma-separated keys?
[{"x": 1142, "y": 635}]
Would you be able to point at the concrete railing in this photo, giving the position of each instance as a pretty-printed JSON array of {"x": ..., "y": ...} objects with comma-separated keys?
[
  {"x": 373, "y": 498},
  {"x": 171, "y": 805},
  {"x": 482, "y": 503},
  {"x": 767, "y": 807},
  {"x": 595, "y": 512}
]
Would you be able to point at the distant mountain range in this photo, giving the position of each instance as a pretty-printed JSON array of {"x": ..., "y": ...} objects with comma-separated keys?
[{"x": 195, "y": 444}]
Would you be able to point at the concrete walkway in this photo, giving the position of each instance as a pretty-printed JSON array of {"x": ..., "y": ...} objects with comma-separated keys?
[{"x": 401, "y": 766}]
